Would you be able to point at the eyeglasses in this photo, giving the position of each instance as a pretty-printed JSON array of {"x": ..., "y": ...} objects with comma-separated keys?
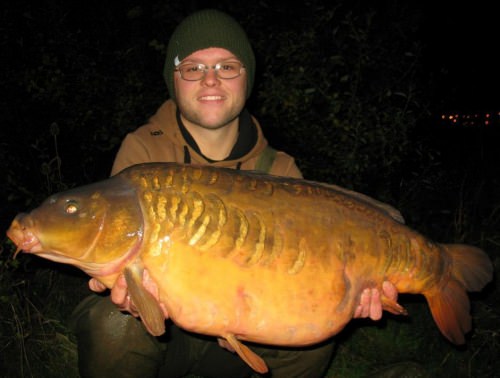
[{"x": 197, "y": 71}]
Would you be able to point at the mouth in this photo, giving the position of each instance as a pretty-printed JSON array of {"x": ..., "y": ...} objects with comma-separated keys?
[
  {"x": 211, "y": 98},
  {"x": 23, "y": 238}
]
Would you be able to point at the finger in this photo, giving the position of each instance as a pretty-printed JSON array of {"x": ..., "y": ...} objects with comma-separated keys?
[
  {"x": 96, "y": 285},
  {"x": 358, "y": 311},
  {"x": 390, "y": 291},
  {"x": 375, "y": 305},
  {"x": 363, "y": 309},
  {"x": 119, "y": 292},
  {"x": 366, "y": 302}
]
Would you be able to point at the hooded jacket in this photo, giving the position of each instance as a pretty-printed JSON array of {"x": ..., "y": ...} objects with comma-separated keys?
[{"x": 165, "y": 139}]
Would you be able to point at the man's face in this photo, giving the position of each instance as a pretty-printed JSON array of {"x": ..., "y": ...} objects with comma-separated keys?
[{"x": 211, "y": 102}]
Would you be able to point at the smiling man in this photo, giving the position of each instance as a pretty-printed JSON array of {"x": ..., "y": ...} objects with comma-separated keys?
[{"x": 209, "y": 71}]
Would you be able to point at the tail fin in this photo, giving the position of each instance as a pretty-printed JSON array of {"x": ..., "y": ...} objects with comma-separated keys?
[
  {"x": 471, "y": 266},
  {"x": 471, "y": 270}
]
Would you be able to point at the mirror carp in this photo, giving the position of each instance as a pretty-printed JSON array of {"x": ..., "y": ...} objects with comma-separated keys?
[{"x": 248, "y": 256}]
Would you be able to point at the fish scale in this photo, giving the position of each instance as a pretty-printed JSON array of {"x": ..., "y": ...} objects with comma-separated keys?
[
  {"x": 247, "y": 256},
  {"x": 205, "y": 217}
]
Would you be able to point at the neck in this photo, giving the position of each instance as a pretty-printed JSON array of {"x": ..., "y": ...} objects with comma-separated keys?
[{"x": 215, "y": 144}]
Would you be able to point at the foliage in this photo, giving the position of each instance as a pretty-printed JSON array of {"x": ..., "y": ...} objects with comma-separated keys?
[
  {"x": 332, "y": 83},
  {"x": 33, "y": 311},
  {"x": 339, "y": 86}
]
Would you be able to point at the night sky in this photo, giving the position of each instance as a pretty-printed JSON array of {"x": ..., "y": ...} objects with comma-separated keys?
[
  {"x": 462, "y": 44},
  {"x": 463, "y": 47}
]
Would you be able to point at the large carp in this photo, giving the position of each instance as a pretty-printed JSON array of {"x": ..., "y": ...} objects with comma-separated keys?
[{"x": 249, "y": 257}]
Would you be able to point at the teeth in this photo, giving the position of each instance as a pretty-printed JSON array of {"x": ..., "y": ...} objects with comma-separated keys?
[{"x": 211, "y": 98}]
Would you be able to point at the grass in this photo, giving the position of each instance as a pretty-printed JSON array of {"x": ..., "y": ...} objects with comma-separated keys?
[
  {"x": 415, "y": 344},
  {"x": 36, "y": 297}
]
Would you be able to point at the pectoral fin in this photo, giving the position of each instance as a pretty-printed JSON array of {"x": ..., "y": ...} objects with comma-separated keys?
[
  {"x": 147, "y": 306},
  {"x": 252, "y": 359}
]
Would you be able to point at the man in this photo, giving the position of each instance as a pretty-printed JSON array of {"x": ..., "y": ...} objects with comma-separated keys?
[{"x": 209, "y": 71}]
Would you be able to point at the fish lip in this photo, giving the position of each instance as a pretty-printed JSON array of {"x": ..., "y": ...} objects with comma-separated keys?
[
  {"x": 21, "y": 235},
  {"x": 31, "y": 244},
  {"x": 33, "y": 247}
]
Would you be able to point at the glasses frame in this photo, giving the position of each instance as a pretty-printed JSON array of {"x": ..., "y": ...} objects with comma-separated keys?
[{"x": 204, "y": 68}]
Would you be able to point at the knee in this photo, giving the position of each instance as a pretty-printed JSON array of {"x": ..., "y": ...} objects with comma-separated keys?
[
  {"x": 298, "y": 362},
  {"x": 110, "y": 341},
  {"x": 98, "y": 317}
]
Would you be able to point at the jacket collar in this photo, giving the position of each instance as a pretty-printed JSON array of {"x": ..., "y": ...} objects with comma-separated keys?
[{"x": 247, "y": 137}]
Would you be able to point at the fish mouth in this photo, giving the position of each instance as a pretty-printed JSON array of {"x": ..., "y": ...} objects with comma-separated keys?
[{"x": 24, "y": 239}]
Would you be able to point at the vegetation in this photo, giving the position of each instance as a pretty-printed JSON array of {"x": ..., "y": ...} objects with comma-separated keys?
[{"x": 341, "y": 87}]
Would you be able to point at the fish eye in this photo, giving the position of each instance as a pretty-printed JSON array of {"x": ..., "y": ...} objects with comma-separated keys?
[{"x": 71, "y": 207}]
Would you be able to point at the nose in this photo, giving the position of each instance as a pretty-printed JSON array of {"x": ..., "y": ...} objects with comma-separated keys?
[{"x": 210, "y": 79}]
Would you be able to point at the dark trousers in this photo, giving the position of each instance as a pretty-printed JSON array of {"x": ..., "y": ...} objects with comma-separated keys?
[{"x": 115, "y": 344}]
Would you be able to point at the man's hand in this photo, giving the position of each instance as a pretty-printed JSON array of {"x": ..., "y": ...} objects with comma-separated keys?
[
  {"x": 120, "y": 296},
  {"x": 370, "y": 305}
]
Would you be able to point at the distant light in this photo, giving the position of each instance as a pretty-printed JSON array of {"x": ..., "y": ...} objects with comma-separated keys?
[{"x": 489, "y": 119}]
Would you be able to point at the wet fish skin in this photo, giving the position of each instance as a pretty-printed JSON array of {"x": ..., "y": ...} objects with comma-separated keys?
[{"x": 247, "y": 256}]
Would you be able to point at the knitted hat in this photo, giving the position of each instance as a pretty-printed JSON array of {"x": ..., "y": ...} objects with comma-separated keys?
[{"x": 205, "y": 29}]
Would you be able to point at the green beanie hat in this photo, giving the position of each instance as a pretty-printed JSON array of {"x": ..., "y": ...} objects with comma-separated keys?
[{"x": 205, "y": 29}]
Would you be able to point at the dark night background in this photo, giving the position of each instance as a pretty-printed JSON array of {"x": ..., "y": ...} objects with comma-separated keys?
[
  {"x": 356, "y": 91},
  {"x": 461, "y": 40}
]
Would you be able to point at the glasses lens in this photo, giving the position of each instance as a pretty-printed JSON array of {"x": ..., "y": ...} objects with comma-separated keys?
[
  {"x": 196, "y": 71},
  {"x": 192, "y": 72},
  {"x": 228, "y": 70}
]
